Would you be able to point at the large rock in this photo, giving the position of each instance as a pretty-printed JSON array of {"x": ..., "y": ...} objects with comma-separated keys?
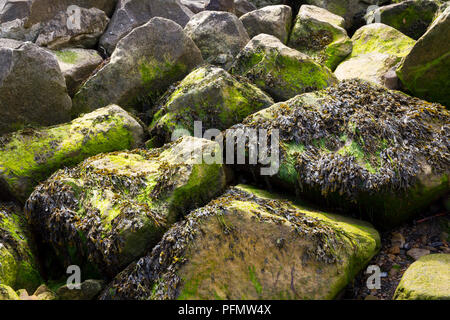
[
  {"x": 221, "y": 5},
  {"x": 279, "y": 70},
  {"x": 195, "y": 6},
  {"x": 273, "y": 20},
  {"x": 130, "y": 14},
  {"x": 426, "y": 279},
  {"x": 77, "y": 65},
  {"x": 109, "y": 210},
  {"x": 321, "y": 35},
  {"x": 30, "y": 156},
  {"x": 411, "y": 17},
  {"x": 265, "y": 3},
  {"x": 377, "y": 48},
  {"x": 250, "y": 244},
  {"x": 243, "y": 7},
  {"x": 32, "y": 88},
  {"x": 219, "y": 35},
  {"x": 18, "y": 267},
  {"x": 360, "y": 148},
  {"x": 210, "y": 95},
  {"x": 7, "y": 293},
  {"x": 89, "y": 289},
  {"x": 58, "y": 33},
  {"x": 425, "y": 71},
  {"x": 145, "y": 63}
]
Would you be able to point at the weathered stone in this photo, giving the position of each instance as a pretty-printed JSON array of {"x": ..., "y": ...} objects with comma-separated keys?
[
  {"x": 32, "y": 88},
  {"x": 279, "y": 70},
  {"x": 145, "y": 63},
  {"x": 273, "y": 20},
  {"x": 30, "y": 156},
  {"x": 243, "y": 7},
  {"x": 7, "y": 293},
  {"x": 219, "y": 36},
  {"x": 233, "y": 247},
  {"x": 417, "y": 253},
  {"x": 88, "y": 290},
  {"x": 107, "y": 211},
  {"x": 320, "y": 34},
  {"x": 265, "y": 3},
  {"x": 221, "y": 5},
  {"x": 195, "y": 6}
]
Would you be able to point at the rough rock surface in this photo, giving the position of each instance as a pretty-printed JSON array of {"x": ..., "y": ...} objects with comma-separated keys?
[
  {"x": 243, "y": 7},
  {"x": 426, "y": 279},
  {"x": 377, "y": 48},
  {"x": 221, "y": 5},
  {"x": 279, "y": 70},
  {"x": 30, "y": 156},
  {"x": 219, "y": 35},
  {"x": 130, "y": 14},
  {"x": 211, "y": 95},
  {"x": 273, "y": 20},
  {"x": 145, "y": 63},
  {"x": 321, "y": 35},
  {"x": 235, "y": 246},
  {"x": 76, "y": 66},
  {"x": 110, "y": 209},
  {"x": 32, "y": 88},
  {"x": 360, "y": 148},
  {"x": 89, "y": 289},
  {"x": 425, "y": 71}
]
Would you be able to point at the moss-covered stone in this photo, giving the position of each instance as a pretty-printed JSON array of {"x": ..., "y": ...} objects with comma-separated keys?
[
  {"x": 18, "y": 268},
  {"x": 361, "y": 149},
  {"x": 7, "y": 293},
  {"x": 251, "y": 244},
  {"x": 426, "y": 279},
  {"x": 211, "y": 95},
  {"x": 320, "y": 34},
  {"x": 279, "y": 70},
  {"x": 110, "y": 209},
  {"x": 29, "y": 156}
]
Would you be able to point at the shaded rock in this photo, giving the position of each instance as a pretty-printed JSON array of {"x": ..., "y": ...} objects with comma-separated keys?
[
  {"x": 273, "y": 20},
  {"x": 411, "y": 17},
  {"x": 221, "y": 5},
  {"x": 211, "y": 95},
  {"x": 195, "y": 6},
  {"x": 243, "y": 7},
  {"x": 145, "y": 63},
  {"x": 7, "y": 293},
  {"x": 360, "y": 149},
  {"x": 320, "y": 34},
  {"x": 110, "y": 209},
  {"x": 417, "y": 253},
  {"x": 426, "y": 279},
  {"x": 265, "y": 3},
  {"x": 89, "y": 289},
  {"x": 377, "y": 48},
  {"x": 130, "y": 14},
  {"x": 76, "y": 66},
  {"x": 219, "y": 36},
  {"x": 279, "y": 70},
  {"x": 425, "y": 71},
  {"x": 44, "y": 293},
  {"x": 233, "y": 247},
  {"x": 60, "y": 33},
  {"x": 18, "y": 267},
  {"x": 30, "y": 156},
  {"x": 32, "y": 88}
]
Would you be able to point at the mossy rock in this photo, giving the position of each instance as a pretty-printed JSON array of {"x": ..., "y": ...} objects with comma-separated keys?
[
  {"x": 251, "y": 244},
  {"x": 18, "y": 267},
  {"x": 321, "y": 35},
  {"x": 30, "y": 156},
  {"x": 279, "y": 70},
  {"x": 361, "y": 149},
  {"x": 210, "y": 95},
  {"x": 7, "y": 293},
  {"x": 110, "y": 209},
  {"x": 426, "y": 279}
]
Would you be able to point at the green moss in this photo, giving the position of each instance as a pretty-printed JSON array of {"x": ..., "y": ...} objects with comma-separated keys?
[
  {"x": 254, "y": 280},
  {"x": 67, "y": 56}
]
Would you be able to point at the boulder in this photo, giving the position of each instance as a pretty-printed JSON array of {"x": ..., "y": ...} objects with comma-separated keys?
[
  {"x": 130, "y": 14},
  {"x": 145, "y": 63},
  {"x": 279, "y": 70},
  {"x": 321, "y": 35},
  {"x": 273, "y": 20},
  {"x": 377, "y": 48},
  {"x": 211, "y": 95},
  {"x": 243, "y": 7},
  {"x": 107, "y": 211},
  {"x": 7, "y": 293},
  {"x": 219, "y": 36},
  {"x": 30, "y": 156},
  {"x": 360, "y": 149},
  {"x": 250, "y": 244},
  {"x": 195, "y": 6},
  {"x": 221, "y": 5},
  {"x": 32, "y": 88},
  {"x": 18, "y": 266},
  {"x": 265, "y": 3},
  {"x": 59, "y": 33},
  {"x": 425, "y": 71},
  {"x": 426, "y": 279},
  {"x": 89, "y": 289},
  {"x": 77, "y": 65},
  {"x": 411, "y": 17}
]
